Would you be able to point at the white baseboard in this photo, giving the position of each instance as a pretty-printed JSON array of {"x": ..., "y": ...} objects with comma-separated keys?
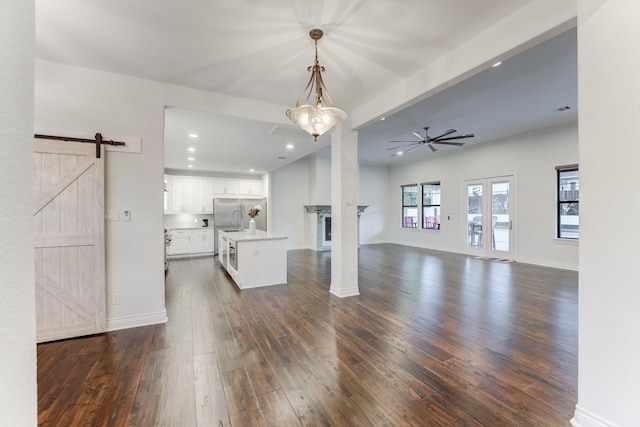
[
  {"x": 584, "y": 418},
  {"x": 127, "y": 322},
  {"x": 547, "y": 263},
  {"x": 343, "y": 293}
]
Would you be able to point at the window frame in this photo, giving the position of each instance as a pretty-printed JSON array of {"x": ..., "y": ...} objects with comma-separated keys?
[
  {"x": 431, "y": 205},
  {"x": 404, "y": 207},
  {"x": 560, "y": 202}
]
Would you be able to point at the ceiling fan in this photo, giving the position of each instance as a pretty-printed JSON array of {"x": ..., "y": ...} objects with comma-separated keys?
[{"x": 430, "y": 141}]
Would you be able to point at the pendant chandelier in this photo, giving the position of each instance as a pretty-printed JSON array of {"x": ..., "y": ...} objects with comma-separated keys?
[{"x": 318, "y": 118}]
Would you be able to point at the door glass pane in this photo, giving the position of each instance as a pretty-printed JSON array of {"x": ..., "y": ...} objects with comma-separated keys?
[
  {"x": 500, "y": 216},
  {"x": 474, "y": 215}
]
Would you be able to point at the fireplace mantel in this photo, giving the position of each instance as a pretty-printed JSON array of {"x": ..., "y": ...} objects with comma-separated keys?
[
  {"x": 322, "y": 237},
  {"x": 326, "y": 209}
]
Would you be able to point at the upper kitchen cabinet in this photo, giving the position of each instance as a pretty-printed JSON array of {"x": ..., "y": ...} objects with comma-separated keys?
[
  {"x": 250, "y": 188},
  {"x": 225, "y": 187},
  {"x": 189, "y": 194}
]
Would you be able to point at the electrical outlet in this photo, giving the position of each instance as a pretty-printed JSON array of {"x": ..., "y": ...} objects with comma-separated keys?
[{"x": 126, "y": 215}]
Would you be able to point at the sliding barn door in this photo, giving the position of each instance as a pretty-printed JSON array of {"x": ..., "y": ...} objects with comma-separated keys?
[{"x": 69, "y": 240}]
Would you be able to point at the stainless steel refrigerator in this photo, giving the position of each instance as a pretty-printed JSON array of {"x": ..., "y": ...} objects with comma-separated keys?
[{"x": 233, "y": 214}]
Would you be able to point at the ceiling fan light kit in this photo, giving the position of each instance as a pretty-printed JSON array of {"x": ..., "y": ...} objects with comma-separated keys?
[
  {"x": 318, "y": 118},
  {"x": 430, "y": 141}
]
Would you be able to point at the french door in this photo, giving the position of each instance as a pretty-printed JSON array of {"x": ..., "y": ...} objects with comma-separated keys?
[{"x": 489, "y": 217}]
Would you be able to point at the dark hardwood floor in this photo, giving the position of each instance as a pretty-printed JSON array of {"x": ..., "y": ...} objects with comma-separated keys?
[{"x": 434, "y": 339}]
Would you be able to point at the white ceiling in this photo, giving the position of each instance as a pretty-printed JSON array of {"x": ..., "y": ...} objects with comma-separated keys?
[{"x": 260, "y": 50}]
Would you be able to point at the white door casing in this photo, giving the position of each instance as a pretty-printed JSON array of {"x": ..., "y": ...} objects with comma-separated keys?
[{"x": 69, "y": 240}]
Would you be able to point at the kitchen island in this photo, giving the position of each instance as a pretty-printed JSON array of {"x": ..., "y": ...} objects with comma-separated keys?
[{"x": 253, "y": 260}]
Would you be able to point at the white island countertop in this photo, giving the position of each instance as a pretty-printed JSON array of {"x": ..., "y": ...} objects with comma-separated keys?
[{"x": 244, "y": 236}]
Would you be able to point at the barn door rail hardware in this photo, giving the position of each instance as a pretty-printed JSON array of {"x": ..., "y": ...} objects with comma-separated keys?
[{"x": 98, "y": 140}]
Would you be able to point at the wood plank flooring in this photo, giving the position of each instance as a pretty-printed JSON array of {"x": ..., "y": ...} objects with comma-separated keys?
[{"x": 433, "y": 339}]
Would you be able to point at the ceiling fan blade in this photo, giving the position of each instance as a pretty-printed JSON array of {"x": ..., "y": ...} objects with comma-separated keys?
[
  {"x": 433, "y": 147},
  {"x": 411, "y": 149},
  {"x": 457, "y": 144},
  {"x": 418, "y": 135},
  {"x": 449, "y": 132},
  {"x": 466, "y": 135},
  {"x": 400, "y": 146}
]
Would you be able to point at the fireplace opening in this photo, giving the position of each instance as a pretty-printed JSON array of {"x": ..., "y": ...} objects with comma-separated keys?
[{"x": 327, "y": 228}]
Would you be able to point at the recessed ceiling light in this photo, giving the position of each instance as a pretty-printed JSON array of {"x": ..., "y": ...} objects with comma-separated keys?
[
  {"x": 191, "y": 159},
  {"x": 382, "y": 118},
  {"x": 289, "y": 147},
  {"x": 400, "y": 153},
  {"x": 191, "y": 149},
  {"x": 193, "y": 135},
  {"x": 252, "y": 170},
  {"x": 189, "y": 166},
  {"x": 497, "y": 64}
]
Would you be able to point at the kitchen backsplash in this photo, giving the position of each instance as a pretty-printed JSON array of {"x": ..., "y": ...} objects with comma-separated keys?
[{"x": 186, "y": 220}]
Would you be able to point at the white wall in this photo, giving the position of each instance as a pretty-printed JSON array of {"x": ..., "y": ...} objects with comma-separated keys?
[
  {"x": 531, "y": 158},
  {"x": 18, "y": 395},
  {"x": 308, "y": 182},
  {"x": 72, "y": 100},
  {"x": 374, "y": 193},
  {"x": 289, "y": 193},
  {"x": 609, "y": 313}
]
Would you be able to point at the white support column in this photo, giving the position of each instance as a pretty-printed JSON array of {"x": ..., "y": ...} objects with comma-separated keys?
[
  {"x": 609, "y": 313},
  {"x": 344, "y": 212}
]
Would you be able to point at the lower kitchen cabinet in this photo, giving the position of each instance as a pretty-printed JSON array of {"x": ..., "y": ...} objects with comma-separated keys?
[
  {"x": 180, "y": 242},
  {"x": 202, "y": 241},
  {"x": 191, "y": 241}
]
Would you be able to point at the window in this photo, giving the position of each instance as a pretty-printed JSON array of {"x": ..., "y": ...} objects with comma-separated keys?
[
  {"x": 431, "y": 205},
  {"x": 568, "y": 197},
  {"x": 410, "y": 206}
]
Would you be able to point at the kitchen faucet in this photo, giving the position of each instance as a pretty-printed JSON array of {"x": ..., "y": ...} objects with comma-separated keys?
[{"x": 239, "y": 218}]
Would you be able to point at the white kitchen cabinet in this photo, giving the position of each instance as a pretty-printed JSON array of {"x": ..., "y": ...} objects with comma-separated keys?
[
  {"x": 251, "y": 188},
  {"x": 191, "y": 241},
  {"x": 255, "y": 260},
  {"x": 202, "y": 241},
  {"x": 188, "y": 194},
  {"x": 180, "y": 242},
  {"x": 207, "y": 195},
  {"x": 225, "y": 187}
]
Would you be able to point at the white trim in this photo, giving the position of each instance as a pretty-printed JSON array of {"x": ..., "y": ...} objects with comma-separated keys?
[
  {"x": 565, "y": 241},
  {"x": 584, "y": 418},
  {"x": 127, "y": 322},
  {"x": 547, "y": 263},
  {"x": 343, "y": 293}
]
